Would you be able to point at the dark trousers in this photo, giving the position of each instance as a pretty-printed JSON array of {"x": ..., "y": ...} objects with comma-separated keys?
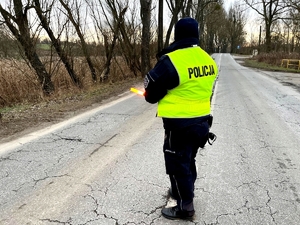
[{"x": 180, "y": 149}]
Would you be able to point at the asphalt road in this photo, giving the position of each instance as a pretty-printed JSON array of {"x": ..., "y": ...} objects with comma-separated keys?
[{"x": 106, "y": 166}]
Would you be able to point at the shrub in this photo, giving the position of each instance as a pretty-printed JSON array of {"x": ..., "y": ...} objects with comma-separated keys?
[{"x": 274, "y": 58}]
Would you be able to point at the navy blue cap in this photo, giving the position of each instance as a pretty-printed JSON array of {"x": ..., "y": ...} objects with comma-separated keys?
[{"x": 186, "y": 28}]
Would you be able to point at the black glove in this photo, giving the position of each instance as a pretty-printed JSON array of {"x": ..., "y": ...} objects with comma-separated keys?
[{"x": 211, "y": 138}]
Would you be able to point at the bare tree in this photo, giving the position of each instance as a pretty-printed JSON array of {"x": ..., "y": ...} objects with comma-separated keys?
[
  {"x": 175, "y": 6},
  {"x": 295, "y": 44},
  {"x": 44, "y": 16},
  {"x": 212, "y": 25},
  {"x": 187, "y": 11},
  {"x": 110, "y": 32},
  {"x": 202, "y": 11},
  {"x": 294, "y": 4},
  {"x": 198, "y": 9},
  {"x": 160, "y": 30},
  {"x": 236, "y": 24},
  {"x": 19, "y": 26},
  {"x": 77, "y": 24},
  {"x": 129, "y": 39},
  {"x": 8, "y": 45},
  {"x": 222, "y": 38},
  {"x": 125, "y": 30},
  {"x": 295, "y": 24},
  {"x": 145, "y": 48},
  {"x": 271, "y": 11}
]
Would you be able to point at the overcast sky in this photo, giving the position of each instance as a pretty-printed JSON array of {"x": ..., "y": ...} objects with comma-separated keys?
[{"x": 228, "y": 3}]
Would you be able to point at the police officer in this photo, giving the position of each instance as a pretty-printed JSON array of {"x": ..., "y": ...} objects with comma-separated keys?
[{"x": 182, "y": 83}]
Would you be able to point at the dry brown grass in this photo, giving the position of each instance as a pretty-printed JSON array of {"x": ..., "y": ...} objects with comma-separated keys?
[
  {"x": 19, "y": 84},
  {"x": 24, "y": 109},
  {"x": 274, "y": 58}
]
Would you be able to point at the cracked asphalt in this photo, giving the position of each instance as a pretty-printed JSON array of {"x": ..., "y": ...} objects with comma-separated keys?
[{"x": 106, "y": 166}]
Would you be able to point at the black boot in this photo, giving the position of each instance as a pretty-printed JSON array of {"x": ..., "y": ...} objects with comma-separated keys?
[{"x": 175, "y": 213}]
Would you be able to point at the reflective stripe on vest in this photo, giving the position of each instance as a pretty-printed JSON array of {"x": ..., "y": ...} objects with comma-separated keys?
[{"x": 197, "y": 72}]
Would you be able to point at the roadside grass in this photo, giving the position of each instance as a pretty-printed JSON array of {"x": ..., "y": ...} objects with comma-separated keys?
[
  {"x": 17, "y": 107},
  {"x": 87, "y": 96},
  {"x": 272, "y": 61},
  {"x": 45, "y": 47},
  {"x": 20, "y": 89},
  {"x": 254, "y": 63}
]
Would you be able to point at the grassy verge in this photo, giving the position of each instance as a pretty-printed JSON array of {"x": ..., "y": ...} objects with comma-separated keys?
[
  {"x": 266, "y": 66},
  {"x": 272, "y": 61},
  {"x": 17, "y": 107}
]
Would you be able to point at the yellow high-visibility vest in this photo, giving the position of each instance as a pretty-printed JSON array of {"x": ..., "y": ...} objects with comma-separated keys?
[{"x": 197, "y": 72}]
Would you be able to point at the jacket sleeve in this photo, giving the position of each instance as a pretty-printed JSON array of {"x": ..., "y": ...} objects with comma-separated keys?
[{"x": 159, "y": 80}]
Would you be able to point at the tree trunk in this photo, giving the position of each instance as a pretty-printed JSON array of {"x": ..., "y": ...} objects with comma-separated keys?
[
  {"x": 23, "y": 36},
  {"x": 145, "y": 48},
  {"x": 175, "y": 9},
  {"x": 201, "y": 20},
  {"x": 268, "y": 39},
  {"x": 81, "y": 37},
  {"x": 43, "y": 76},
  {"x": 160, "y": 41},
  {"x": 56, "y": 44},
  {"x": 109, "y": 49},
  {"x": 131, "y": 56}
]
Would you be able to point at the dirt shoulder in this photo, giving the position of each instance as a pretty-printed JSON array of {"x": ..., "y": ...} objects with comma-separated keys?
[{"x": 29, "y": 118}]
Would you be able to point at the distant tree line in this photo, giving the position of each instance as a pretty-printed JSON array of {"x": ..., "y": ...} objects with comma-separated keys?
[
  {"x": 105, "y": 29},
  {"x": 280, "y": 24}
]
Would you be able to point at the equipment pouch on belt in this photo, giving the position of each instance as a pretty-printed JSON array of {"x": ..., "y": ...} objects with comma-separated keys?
[{"x": 210, "y": 137}]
